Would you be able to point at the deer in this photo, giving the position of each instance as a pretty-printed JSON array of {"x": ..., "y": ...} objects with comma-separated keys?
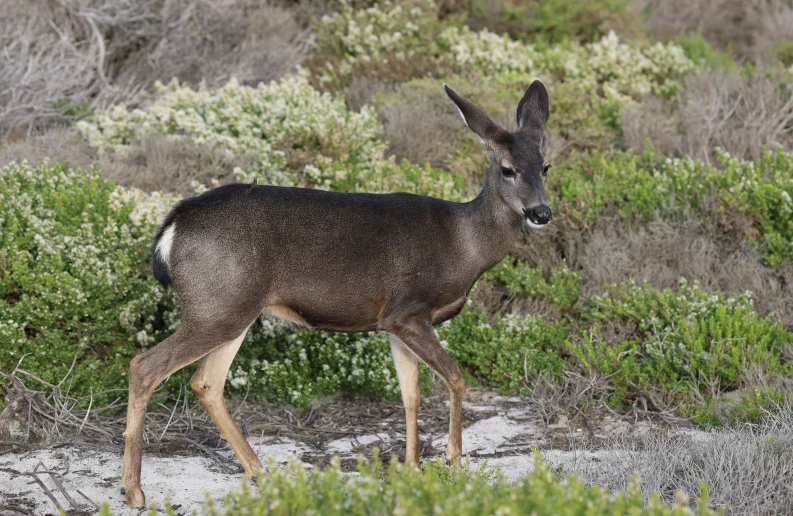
[{"x": 345, "y": 262}]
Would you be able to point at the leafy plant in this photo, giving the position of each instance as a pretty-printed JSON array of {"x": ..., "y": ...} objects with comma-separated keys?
[{"x": 404, "y": 489}]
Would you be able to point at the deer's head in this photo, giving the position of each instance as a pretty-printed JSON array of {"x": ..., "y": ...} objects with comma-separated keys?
[{"x": 517, "y": 166}]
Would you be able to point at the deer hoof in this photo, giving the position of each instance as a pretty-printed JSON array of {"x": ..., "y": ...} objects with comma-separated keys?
[
  {"x": 134, "y": 496},
  {"x": 256, "y": 479}
]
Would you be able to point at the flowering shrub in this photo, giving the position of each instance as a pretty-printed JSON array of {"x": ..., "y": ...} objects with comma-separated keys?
[
  {"x": 341, "y": 149},
  {"x": 73, "y": 285},
  {"x": 265, "y": 121},
  {"x": 403, "y": 31},
  {"x": 621, "y": 70},
  {"x": 297, "y": 366}
]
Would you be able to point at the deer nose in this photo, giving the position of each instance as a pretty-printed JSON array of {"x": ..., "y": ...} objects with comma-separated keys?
[{"x": 539, "y": 216}]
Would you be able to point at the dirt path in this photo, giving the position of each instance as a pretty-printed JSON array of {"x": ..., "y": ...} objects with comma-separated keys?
[{"x": 184, "y": 464}]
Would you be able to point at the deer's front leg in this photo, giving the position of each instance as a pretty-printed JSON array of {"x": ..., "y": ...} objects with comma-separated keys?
[
  {"x": 418, "y": 335},
  {"x": 407, "y": 368}
]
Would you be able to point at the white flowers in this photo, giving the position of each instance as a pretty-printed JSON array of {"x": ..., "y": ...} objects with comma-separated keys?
[
  {"x": 622, "y": 70},
  {"x": 264, "y": 122}
]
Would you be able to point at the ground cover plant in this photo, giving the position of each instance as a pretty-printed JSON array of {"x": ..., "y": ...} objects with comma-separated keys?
[
  {"x": 404, "y": 489},
  {"x": 671, "y": 156}
]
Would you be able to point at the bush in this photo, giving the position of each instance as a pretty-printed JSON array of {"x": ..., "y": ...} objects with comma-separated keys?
[
  {"x": 292, "y": 134},
  {"x": 59, "y": 64},
  {"x": 672, "y": 348},
  {"x": 72, "y": 280},
  {"x": 404, "y": 489},
  {"x": 506, "y": 353},
  {"x": 551, "y": 21},
  {"x": 584, "y": 21},
  {"x": 636, "y": 187}
]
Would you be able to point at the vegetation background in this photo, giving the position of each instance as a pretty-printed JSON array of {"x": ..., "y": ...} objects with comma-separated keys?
[{"x": 663, "y": 288}]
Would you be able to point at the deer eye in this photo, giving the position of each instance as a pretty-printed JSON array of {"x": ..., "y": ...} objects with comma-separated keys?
[
  {"x": 507, "y": 172},
  {"x": 545, "y": 169}
]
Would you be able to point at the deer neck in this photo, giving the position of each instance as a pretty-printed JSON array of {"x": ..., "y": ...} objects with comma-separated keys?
[{"x": 489, "y": 227}]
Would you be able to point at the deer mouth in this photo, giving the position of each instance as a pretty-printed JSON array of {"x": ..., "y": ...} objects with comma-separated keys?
[{"x": 534, "y": 225}]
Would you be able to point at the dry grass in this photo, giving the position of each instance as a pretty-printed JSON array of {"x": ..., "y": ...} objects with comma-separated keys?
[
  {"x": 748, "y": 27},
  {"x": 160, "y": 163},
  {"x": 420, "y": 129},
  {"x": 749, "y": 470},
  {"x": 663, "y": 252},
  {"x": 63, "y": 59},
  {"x": 157, "y": 163},
  {"x": 60, "y": 144},
  {"x": 718, "y": 108},
  {"x": 362, "y": 90}
]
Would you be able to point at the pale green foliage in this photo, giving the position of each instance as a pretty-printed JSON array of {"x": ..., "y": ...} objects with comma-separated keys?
[
  {"x": 264, "y": 121},
  {"x": 440, "y": 489},
  {"x": 342, "y": 150},
  {"x": 622, "y": 70},
  {"x": 401, "y": 30}
]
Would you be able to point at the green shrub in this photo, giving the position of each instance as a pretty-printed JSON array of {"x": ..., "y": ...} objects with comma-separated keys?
[
  {"x": 584, "y": 188},
  {"x": 676, "y": 347},
  {"x": 505, "y": 353},
  {"x": 697, "y": 48},
  {"x": 584, "y": 21},
  {"x": 404, "y": 489},
  {"x": 562, "y": 289},
  {"x": 73, "y": 282}
]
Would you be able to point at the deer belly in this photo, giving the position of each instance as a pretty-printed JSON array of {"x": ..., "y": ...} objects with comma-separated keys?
[{"x": 340, "y": 315}]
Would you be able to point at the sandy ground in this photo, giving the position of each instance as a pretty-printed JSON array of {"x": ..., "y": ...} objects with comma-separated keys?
[{"x": 78, "y": 476}]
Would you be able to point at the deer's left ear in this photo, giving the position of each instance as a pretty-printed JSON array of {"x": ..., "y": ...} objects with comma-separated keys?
[{"x": 533, "y": 111}]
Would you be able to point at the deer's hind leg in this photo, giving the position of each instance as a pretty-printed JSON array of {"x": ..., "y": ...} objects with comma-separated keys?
[
  {"x": 189, "y": 343},
  {"x": 208, "y": 383}
]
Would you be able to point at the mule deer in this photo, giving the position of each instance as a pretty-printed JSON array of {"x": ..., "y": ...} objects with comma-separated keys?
[{"x": 346, "y": 262}]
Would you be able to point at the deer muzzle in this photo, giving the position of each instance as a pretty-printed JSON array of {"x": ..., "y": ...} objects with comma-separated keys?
[{"x": 538, "y": 217}]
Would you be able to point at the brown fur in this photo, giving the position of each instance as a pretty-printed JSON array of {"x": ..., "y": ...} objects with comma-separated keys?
[{"x": 344, "y": 262}]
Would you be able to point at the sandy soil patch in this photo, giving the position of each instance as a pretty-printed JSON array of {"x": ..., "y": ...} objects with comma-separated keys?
[{"x": 183, "y": 465}]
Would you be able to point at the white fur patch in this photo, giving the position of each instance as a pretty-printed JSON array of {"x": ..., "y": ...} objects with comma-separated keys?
[
  {"x": 164, "y": 245},
  {"x": 532, "y": 225},
  {"x": 462, "y": 115}
]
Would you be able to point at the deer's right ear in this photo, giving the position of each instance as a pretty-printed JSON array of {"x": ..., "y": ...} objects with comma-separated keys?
[{"x": 475, "y": 118}]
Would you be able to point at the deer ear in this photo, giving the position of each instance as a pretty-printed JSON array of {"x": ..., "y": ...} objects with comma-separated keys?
[
  {"x": 533, "y": 111},
  {"x": 475, "y": 118}
]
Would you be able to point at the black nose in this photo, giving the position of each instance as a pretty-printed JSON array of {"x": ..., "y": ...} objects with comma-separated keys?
[{"x": 541, "y": 215}]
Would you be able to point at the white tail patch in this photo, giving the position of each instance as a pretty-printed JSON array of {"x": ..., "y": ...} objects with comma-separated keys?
[{"x": 163, "y": 247}]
